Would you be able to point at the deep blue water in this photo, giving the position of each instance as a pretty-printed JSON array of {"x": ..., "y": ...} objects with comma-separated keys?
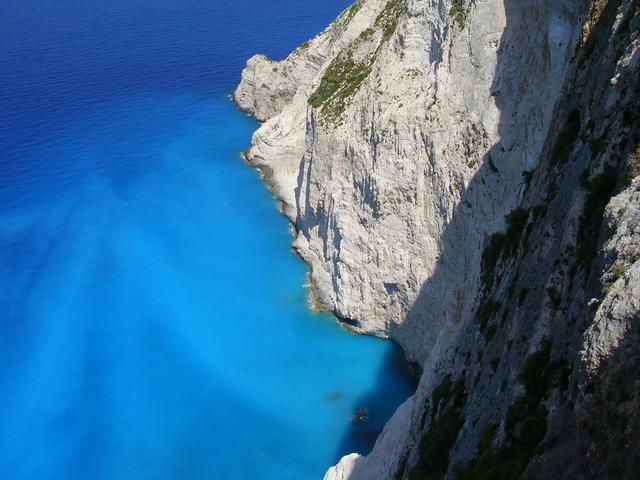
[{"x": 153, "y": 320}]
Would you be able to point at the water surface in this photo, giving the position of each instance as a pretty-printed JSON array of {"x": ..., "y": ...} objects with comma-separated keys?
[{"x": 153, "y": 320}]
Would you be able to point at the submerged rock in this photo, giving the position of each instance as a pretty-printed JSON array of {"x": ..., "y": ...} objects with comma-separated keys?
[
  {"x": 334, "y": 397},
  {"x": 361, "y": 416}
]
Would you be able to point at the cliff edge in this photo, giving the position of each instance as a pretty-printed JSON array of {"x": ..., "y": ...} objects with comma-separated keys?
[{"x": 463, "y": 177}]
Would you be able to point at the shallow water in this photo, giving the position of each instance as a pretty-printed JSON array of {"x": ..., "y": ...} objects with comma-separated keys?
[{"x": 153, "y": 320}]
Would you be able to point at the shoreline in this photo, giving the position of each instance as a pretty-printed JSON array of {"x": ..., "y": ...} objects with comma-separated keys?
[{"x": 413, "y": 368}]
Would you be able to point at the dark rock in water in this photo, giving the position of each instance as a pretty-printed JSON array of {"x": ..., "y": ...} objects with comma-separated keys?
[
  {"x": 361, "y": 416},
  {"x": 334, "y": 397}
]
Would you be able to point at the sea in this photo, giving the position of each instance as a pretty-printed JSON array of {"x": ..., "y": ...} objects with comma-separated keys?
[{"x": 154, "y": 322}]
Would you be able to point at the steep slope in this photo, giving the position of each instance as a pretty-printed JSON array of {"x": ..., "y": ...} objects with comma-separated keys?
[
  {"x": 463, "y": 177},
  {"x": 375, "y": 150}
]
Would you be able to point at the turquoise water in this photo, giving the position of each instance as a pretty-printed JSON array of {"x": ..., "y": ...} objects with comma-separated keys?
[{"x": 153, "y": 320}]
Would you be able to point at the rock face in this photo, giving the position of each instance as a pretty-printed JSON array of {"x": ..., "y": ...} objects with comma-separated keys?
[{"x": 463, "y": 177}]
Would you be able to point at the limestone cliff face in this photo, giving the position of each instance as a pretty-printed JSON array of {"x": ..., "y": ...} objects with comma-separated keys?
[{"x": 463, "y": 177}]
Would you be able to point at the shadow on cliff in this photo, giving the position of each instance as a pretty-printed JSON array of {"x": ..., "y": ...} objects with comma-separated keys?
[
  {"x": 489, "y": 195},
  {"x": 492, "y": 192},
  {"x": 607, "y": 417}
]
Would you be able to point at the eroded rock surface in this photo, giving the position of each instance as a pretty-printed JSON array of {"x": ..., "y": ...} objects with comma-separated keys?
[{"x": 463, "y": 177}]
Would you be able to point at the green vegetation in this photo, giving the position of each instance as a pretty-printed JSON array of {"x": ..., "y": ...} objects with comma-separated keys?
[
  {"x": 516, "y": 221},
  {"x": 487, "y": 437},
  {"x": 485, "y": 312},
  {"x": 340, "y": 81},
  {"x": 532, "y": 375},
  {"x": 387, "y": 20},
  {"x": 367, "y": 33},
  {"x": 616, "y": 272},
  {"x": 351, "y": 11},
  {"x": 633, "y": 166},
  {"x": 596, "y": 145},
  {"x": 447, "y": 402},
  {"x": 490, "y": 257},
  {"x": 600, "y": 189},
  {"x": 508, "y": 462},
  {"x": 503, "y": 244},
  {"x": 413, "y": 73},
  {"x": 539, "y": 210},
  {"x": 459, "y": 12},
  {"x": 567, "y": 138},
  {"x": 495, "y": 363},
  {"x": 554, "y": 297},
  {"x": 344, "y": 76},
  {"x": 525, "y": 423}
]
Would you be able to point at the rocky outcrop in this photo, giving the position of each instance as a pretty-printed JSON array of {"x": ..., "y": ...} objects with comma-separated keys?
[{"x": 463, "y": 177}]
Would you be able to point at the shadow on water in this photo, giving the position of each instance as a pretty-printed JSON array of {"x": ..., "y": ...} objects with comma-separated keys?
[{"x": 374, "y": 408}]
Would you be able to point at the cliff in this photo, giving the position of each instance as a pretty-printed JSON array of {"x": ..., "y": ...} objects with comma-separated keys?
[{"x": 464, "y": 178}]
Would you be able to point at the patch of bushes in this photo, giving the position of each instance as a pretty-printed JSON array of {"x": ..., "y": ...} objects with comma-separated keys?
[
  {"x": 516, "y": 221},
  {"x": 367, "y": 33},
  {"x": 413, "y": 72},
  {"x": 503, "y": 244},
  {"x": 490, "y": 257},
  {"x": 525, "y": 425},
  {"x": 567, "y": 138},
  {"x": 517, "y": 411},
  {"x": 495, "y": 363},
  {"x": 447, "y": 403},
  {"x": 600, "y": 189},
  {"x": 459, "y": 12},
  {"x": 343, "y": 77},
  {"x": 539, "y": 210},
  {"x": 487, "y": 437},
  {"x": 554, "y": 297},
  {"x": 616, "y": 272},
  {"x": 340, "y": 81},
  {"x": 596, "y": 145},
  {"x": 508, "y": 462},
  {"x": 486, "y": 310},
  {"x": 532, "y": 375},
  {"x": 387, "y": 20},
  {"x": 522, "y": 295},
  {"x": 352, "y": 10},
  {"x": 633, "y": 166}
]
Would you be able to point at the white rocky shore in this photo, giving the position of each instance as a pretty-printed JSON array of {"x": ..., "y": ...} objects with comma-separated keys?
[{"x": 398, "y": 141}]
